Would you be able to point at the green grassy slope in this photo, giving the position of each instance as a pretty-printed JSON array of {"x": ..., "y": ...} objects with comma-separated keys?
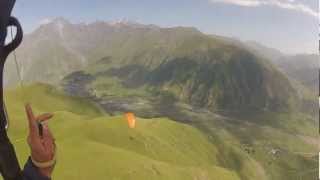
[
  {"x": 294, "y": 137},
  {"x": 92, "y": 145},
  {"x": 293, "y": 134}
]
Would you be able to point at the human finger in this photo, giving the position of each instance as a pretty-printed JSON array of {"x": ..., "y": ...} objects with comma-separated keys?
[
  {"x": 48, "y": 140},
  {"x": 32, "y": 121},
  {"x": 44, "y": 117}
]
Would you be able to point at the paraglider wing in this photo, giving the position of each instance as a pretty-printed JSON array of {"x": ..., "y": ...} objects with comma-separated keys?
[{"x": 131, "y": 119}]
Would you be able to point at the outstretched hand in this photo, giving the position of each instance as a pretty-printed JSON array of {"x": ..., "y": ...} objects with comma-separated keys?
[{"x": 41, "y": 142}]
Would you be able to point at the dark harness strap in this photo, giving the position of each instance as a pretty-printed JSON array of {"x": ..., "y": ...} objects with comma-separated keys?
[{"x": 9, "y": 166}]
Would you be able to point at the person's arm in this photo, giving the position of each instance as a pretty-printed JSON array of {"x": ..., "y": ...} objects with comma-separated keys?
[
  {"x": 31, "y": 172},
  {"x": 41, "y": 163}
]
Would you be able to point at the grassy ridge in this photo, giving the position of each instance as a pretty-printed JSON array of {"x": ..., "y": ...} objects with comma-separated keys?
[
  {"x": 93, "y": 145},
  {"x": 98, "y": 145}
]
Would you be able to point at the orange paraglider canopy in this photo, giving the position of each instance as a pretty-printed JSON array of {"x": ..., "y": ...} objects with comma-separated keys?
[{"x": 131, "y": 119}]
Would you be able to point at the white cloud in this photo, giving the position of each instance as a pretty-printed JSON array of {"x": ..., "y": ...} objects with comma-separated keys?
[{"x": 284, "y": 4}]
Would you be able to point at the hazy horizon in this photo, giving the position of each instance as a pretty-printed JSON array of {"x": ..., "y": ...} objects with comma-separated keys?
[
  {"x": 286, "y": 25},
  {"x": 50, "y": 20}
]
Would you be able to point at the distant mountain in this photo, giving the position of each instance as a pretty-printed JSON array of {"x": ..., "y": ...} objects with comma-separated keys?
[
  {"x": 59, "y": 47},
  {"x": 267, "y": 52},
  {"x": 302, "y": 68},
  {"x": 46, "y": 54},
  {"x": 202, "y": 70}
]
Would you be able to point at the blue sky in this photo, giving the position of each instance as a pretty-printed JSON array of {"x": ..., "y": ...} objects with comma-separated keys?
[{"x": 288, "y": 25}]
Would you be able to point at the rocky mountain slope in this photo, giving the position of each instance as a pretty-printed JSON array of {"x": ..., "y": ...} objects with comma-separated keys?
[{"x": 196, "y": 68}]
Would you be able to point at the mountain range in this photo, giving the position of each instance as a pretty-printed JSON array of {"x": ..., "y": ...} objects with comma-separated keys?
[
  {"x": 207, "y": 106},
  {"x": 203, "y": 70}
]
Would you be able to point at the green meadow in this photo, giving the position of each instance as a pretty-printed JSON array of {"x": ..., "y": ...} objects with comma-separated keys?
[{"x": 94, "y": 145}]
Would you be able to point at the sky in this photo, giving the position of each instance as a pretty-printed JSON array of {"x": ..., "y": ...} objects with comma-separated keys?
[{"x": 290, "y": 26}]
